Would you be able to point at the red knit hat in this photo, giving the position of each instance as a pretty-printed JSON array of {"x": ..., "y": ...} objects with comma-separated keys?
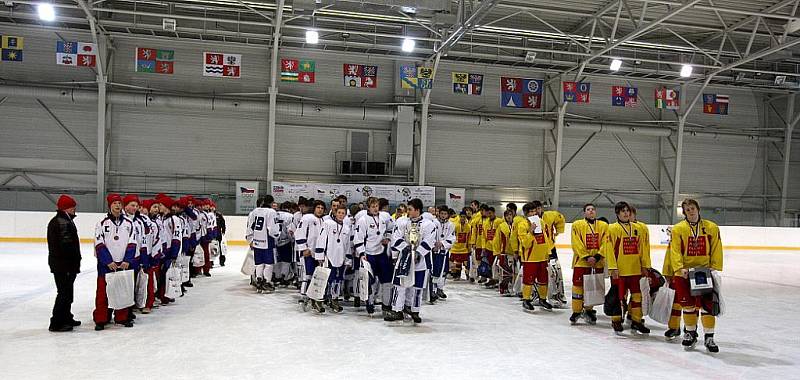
[
  {"x": 113, "y": 197},
  {"x": 166, "y": 201},
  {"x": 65, "y": 202},
  {"x": 130, "y": 198},
  {"x": 182, "y": 202},
  {"x": 147, "y": 203}
]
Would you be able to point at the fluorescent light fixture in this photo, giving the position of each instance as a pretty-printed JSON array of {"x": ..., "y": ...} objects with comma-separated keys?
[
  {"x": 406, "y": 9},
  {"x": 312, "y": 36},
  {"x": 615, "y": 65},
  {"x": 46, "y": 12},
  {"x": 408, "y": 45},
  {"x": 686, "y": 71}
]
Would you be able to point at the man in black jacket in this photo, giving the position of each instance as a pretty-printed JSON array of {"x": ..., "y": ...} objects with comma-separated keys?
[
  {"x": 64, "y": 259},
  {"x": 221, "y": 228}
]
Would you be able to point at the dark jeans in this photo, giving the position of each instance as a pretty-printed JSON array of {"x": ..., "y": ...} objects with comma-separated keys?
[{"x": 62, "y": 313}]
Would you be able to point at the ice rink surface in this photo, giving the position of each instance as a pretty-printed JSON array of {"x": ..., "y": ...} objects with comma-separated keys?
[{"x": 221, "y": 329}]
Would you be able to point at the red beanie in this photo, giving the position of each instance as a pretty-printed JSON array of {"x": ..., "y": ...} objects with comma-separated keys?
[
  {"x": 182, "y": 202},
  {"x": 130, "y": 198},
  {"x": 147, "y": 203},
  {"x": 65, "y": 202},
  {"x": 113, "y": 197},
  {"x": 166, "y": 201}
]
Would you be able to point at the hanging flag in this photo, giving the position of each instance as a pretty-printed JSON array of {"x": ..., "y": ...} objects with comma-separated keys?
[
  {"x": 293, "y": 70},
  {"x": 222, "y": 65},
  {"x": 466, "y": 83},
  {"x": 71, "y": 53},
  {"x": 576, "y": 92},
  {"x": 11, "y": 48},
  {"x": 716, "y": 104},
  {"x": 412, "y": 77},
  {"x": 155, "y": 61},
  {"x": 360, "y": 75},
  {"x": 521, "y": 92},
  {"x": 624, "y": 96},
  {"x": 667, "y": 99}
]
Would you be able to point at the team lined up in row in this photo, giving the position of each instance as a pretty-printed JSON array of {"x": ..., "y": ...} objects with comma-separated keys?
[{"x": 149, "y": 237}]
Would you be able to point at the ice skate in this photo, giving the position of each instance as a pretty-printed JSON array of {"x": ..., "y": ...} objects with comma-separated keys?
[
  {"x": 573, "y": 319},
  {"x": 317, "y": 306},
  {"x": 672, "y": 334},
  {"x": 491, "y": 284},
  {"x": 336, "y": 307},
  {"x": 527, "y": 305},
  {"x": 356, "y": 301},
  {"x": 415, "y": 317},
  {"x": 711, "y": 346},
  {"x": 440, "y": 294},
  {"x": 393, "y": 316},
  {"x": 546, "y": 305},
  {"x": 617, "y": 326},
  {"x": 268, "y": 287},
  {"x": 639, "y": 327},
  {"x": 591, "y": 316},
  {"x": 689, "y": 340}
]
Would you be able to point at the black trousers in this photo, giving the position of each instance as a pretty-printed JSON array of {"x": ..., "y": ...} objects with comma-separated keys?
[{"x": 62, "y": 310}]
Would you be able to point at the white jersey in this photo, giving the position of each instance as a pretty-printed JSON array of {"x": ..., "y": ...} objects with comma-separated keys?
[
  {"x": 387, "y": 218},
  {"x": 150, "y": 236},
  {"x": 192, "y": 224},
  {"x": 445, "y": 235},
  {"x": 427, "y": 234},
  {"x": 173, "y": 230},
  {"x": 429, "y": 216},
  {"x": 212, "y": 220},
  {"x": 368, "y": 234},
  {"x": 156, "y": 236},
  {"x": 296, "y": 218},
  {"x": 287, "y": 227},
  {"x": 333, "y": 242},
  {"x": 305, "y": 237},
  {"x": 115, "y": 236},
  {"x": 186, "y": 227},
  {"x": 138, "y": 232},
  {"x": 360, "y": 215},
  {"x": 202, "y": 224},
  {"x": 347, "y": 221},
  {"x": 262, "y": 228}
]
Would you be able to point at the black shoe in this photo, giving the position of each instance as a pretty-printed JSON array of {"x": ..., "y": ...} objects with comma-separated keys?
[
  {"x": 336, "y": 307},
  {"x": 672, "y": 334},
  {"x": 527, "y": 305},
  {"x": 482, "y": 280},
  {"x": 433, "y": 298},
  {"x": 407, "y": 310},
  {"x": 207, "y": 274},
  {"x": 74, "y": 323},
  {"x": 357, "y": 302},
  {"x": 415, "y": 317},
  {"x": 393, "y": 316},
  {"x": 591, "y": 316},
  {"x": 546, "y": 305},
  {"x": 132, "y": 316},
  {"x": 710, "y": 345},
  {"x": 386, "y": 308},
  {"x": 126, "y": 323},
  {"x": 617, "y": 326},
  {"x": 440, "y": 294},
  {"x": 62, "y": 328},
  {"x": 689, "y": 339},
  {"x": 187, "y": 284},
  {"x": 639, "y": 327},
  {"x": 222, "y": 261},
  {"x": 370, "y": 309},
  {"x": 573, "y": 319},
  {"x": 99, "y": 327}
]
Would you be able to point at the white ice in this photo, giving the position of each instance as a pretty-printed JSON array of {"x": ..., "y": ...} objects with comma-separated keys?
[{"x": 222, "y": 330}]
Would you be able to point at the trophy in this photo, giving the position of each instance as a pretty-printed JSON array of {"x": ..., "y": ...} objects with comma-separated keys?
[{"x": 407, "y": 260}]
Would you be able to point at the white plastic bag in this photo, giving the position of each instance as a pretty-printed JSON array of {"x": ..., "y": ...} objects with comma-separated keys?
[
  {"x": 717, "y": 278},
  {"x": 142, "y": 281},
  {"x": 319, "y": 281},
  {"x": 362, "y": 286},
  {"x": 173, "y": 285},
  {"x": 198, "y": 260},
  {"x": 119, "y": 289},
  {"x": 214, "y": 249},
  {"x": 662, "y": 305},
  {"x": 223, "y": 247},
  {"x": 184, "y": 267},
  {"x": 594, "y": 289},
  {"x": 249, "y": 263},
  {"x": 647, "y": 301}
]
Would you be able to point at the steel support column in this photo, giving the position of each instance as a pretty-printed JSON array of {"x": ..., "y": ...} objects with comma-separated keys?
[
  {"x": 559, "y": 153},
  {"x": 273, "y": 96},
  {"x": 423, "y": 126},
  {"x": 787, "y": 150}
]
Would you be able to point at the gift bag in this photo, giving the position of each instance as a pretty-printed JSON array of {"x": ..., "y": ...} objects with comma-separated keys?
[
  {"x": 612, "y": 305},
  {"x": 249, "y": 263},
  {"x": 172, "y": 288},
  {"x": 594, "y": 289},
  {"x": 223, "y": 247},
  {"x": 662, "y": 305},
  {"x": 141, "y": 289},
  {"x": 647, "y": 300},
  {"x": 214, "y": 249},
  {"x": 198, "y": 259},
  {"x": 119, "y": 289},
  {"x": 718, "y": 305},
  {"x": 319, "y": 281},
  {"x": 184, "y": 267}
]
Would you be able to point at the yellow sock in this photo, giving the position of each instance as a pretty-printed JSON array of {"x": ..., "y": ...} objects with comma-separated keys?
[
  {"x": 709, "y": 322},
  {"x": 542, "y": 289},
  {"x": 636, "y": 307},
  {"x": 527, "y": 292},
  {"x": 577, "y": 299},
  {"x": 675, "y": 318},
  {"x": 616, "y": 318},
  {"x": 690, "y": 318}
]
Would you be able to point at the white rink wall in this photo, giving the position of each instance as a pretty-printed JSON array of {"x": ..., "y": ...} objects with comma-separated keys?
[{"x": 31, "y": 226}]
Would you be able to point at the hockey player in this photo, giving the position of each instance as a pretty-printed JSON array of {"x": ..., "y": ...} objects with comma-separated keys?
[
  {"x": 221, "y": 228},
  {"x": 489, "y": 231},
  {"x": 695, "y": 244},
  {"x": 262, "y": 230},
  {"x": 413, "y": 239},
  {"x": 371, "y": 239},
  {"x": 674, "y": 323},
  {"x": 628, "y": 255},
  {"x": 445, "y": 236},
  {"x": 459, "y": 253},
  {"x": 283, "y": 268},
  {"x": 504, "y": 252},
  {"x": 173, "y": 237},
  {"x": 332, "y": 246},
  {"x": 554, "y": 225},
  {"x": 399, "y": 212},
  {"x": 115, "y": 246},
  {"x": 477, "y": 242},
  {"x": 535, "y": 244},
  {"x": 203, "y": 236},
  {"x": 306, "y": 239},
  {"x": 587, "y": 257},
  {"x": 150, "y": 213}
]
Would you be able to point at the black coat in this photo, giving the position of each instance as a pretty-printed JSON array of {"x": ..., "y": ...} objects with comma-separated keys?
[{"x": 63, "y": 245}]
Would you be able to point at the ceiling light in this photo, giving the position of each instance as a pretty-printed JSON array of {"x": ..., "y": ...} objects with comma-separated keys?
[
  {"x": 686, "y": 71},
  {"x": 615, "y": 65},
  {"x": 406, "y": 9},
  {"x": 408, "y": 45},
  {"x": 312, "y": 37},
  {"x": 46, "y": 12}
]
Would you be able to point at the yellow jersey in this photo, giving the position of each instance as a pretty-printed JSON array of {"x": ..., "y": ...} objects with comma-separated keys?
[
  {"x": 625, "y": 248},
  {"x": 535, "y": 246},
  {"x": 586, "y": 241},
  {"x": 695, "y": 246},
  {"x": 553, "y": 225},
  {"x": 461, "y": 244}
]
